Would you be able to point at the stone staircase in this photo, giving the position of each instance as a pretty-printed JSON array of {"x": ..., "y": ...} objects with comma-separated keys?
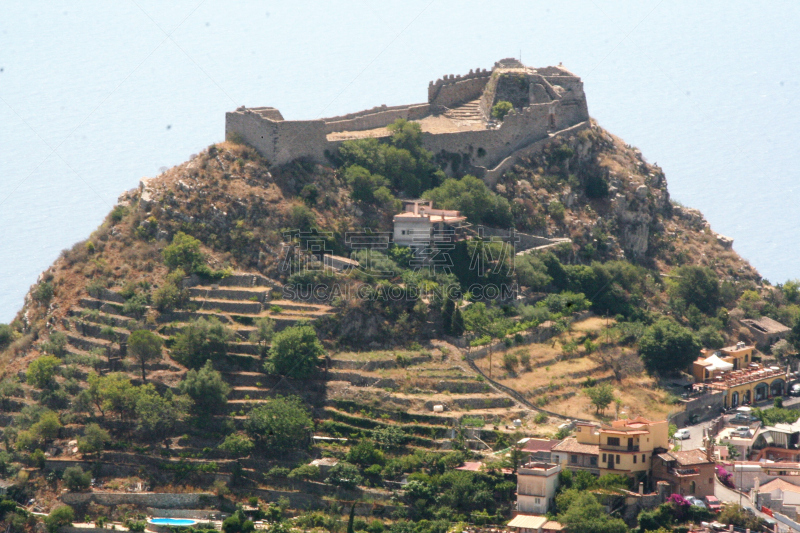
[{"x": 469, "y": 111}]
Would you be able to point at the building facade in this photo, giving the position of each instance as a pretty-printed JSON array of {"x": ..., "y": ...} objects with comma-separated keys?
[
  {"x": 537, "y": 484},
  {"x": 689, "y": 473}
]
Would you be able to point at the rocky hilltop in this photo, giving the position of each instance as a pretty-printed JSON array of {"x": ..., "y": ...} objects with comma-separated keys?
[{"x": 157, "y": 351}]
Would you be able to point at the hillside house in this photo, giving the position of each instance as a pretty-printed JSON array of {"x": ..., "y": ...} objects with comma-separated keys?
[
  {"x": 536, "y": 487},
  {"x": 766, "y": 331},
  {"x": 539, "y": 450},
  {"x": 625, "y": 447},
  {"x": 420, "y": 224},
  {"x": 715, "y": 362},
  {"x": 523, "y": 523},
  {"x": 689, "y": 472}
]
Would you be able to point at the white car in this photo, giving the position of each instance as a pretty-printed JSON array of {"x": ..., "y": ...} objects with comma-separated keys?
[{"x": 681, "y": 434}]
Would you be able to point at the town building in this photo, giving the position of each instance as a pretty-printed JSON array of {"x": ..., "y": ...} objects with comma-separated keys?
[
  {"x": 765, "y": 330},
  {"x": 689, "y": 472},
  {"x": 539, "y": 450},
  {"x": 420, "y": 224},
  {"x": 715, "y": 362},
  {"x": 778, "y": 443},
  {"x": 581, "y": 451},
  {"x": 753, "y": 383},
  {"x": 778, "y": 496},
  {"x": 536, "y": 487},
  {"x": 623, "y": 447}
]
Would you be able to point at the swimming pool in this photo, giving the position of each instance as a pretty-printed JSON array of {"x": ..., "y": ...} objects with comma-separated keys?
[{"x": 179, "y": 522}]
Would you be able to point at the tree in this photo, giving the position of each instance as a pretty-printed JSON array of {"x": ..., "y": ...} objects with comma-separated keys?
[
  {"x": 281, "y": 424},
  {"x": 237, "y": 445},
  {"x": 365, "y": 454},
  {"x": 601, "y": 396},
  {"x": 201, "y": 341},
  {"x": 295, "y": 352},
  {"x": 473, "y": 198},
  {"x": 184, "y": 252},
  {"x": 144, "y": 346},
  {"x": 345, "y": 475},
  {"x": 457, "y": 327},
  {"x": 76, "y": 479},
  {"x": 305, "y": 472},
  {"x": 42, "y": 371},
  {"x": 696, "y": 285},
  {"x": 363, "y": 183},
  {"x": 60, "y": 516},
  {"x": 206, "y": 388},
  {"x": 265, "y": 330},
  {"x": 501, "y": 109},
  {"x": 6, "y": 335},
  {"x": 388, "y": 437},
  {"x": 94, "y": 439},
  {"x": 666, "y": 347},
  {"x": 110, "y": 334},
  {"x": 447, "y": 314},
  {"x": 586, "y": 515},
  {"x": 237, "y": 523},
  {"x": 156, "y": 415}
]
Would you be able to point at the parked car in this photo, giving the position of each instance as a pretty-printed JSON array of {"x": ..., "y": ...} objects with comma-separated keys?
[
  {"x": 682, "y": 434},
  {"x": 741, "y": 431},
  {"x": 743, "y": 417},
  {"x": 794, "y": 390},
  {"x": 713, "y": 504}
]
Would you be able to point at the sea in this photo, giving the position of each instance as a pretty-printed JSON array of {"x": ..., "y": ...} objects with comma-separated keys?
[{"x": 95, "y": 95}]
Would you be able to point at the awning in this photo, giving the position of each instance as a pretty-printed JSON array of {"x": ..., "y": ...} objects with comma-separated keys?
[{"x": 715, "y": 364}]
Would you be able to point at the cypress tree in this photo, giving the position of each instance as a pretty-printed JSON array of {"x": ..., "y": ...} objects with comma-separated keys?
[
  {"x": 447, "y": 315},
  {"x": 457, "y": 325}
]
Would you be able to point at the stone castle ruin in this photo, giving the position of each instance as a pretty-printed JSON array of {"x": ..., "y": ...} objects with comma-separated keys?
[{"x": 456, "y": 121}]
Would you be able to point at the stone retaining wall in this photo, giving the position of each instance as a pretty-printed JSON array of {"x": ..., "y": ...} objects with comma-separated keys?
[{"x": 164, "y": 500}]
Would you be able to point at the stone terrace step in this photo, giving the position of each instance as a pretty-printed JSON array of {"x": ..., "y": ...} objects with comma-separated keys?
[
  {"x": 227, "y": 306},
  {"x": 119, "y": 321},
  {"x": 243, "y": 294}
]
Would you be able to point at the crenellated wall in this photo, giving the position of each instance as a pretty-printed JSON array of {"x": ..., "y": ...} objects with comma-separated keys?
[
  {"x": 553, "y": 100},
  {"x": 453, "y": 89}
]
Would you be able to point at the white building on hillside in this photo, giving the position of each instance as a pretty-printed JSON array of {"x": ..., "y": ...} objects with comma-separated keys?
[
  {"x": 419, "y": 222},
  {"x": 536, "y": 487}
]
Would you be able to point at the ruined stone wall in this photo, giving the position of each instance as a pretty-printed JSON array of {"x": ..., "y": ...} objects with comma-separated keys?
[
  {"x": 453, "y": 89},
  {"x": 377, "y": 119},
  {"x": 279, "y": 141}
]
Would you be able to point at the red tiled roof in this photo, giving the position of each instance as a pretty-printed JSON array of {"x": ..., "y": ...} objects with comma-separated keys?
[
  {"x": 571, "y": 445},
  {"x": 540, "y": 445}
]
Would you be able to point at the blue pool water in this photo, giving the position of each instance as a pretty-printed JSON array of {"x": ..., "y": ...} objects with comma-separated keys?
[{"x": 172, "y": 521}]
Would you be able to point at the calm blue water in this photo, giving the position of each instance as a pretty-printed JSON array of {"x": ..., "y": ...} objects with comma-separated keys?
[
  {"x": 172, "y": 521},
  {"x": 708, "y": 91}
]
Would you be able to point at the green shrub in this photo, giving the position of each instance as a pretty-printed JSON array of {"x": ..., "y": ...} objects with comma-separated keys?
[
  {"x": 501, "y": 109},
  {"x": 76, "y": 479}
]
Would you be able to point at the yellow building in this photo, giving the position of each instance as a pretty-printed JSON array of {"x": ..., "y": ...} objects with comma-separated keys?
[
  {"x": 715, "y": 362},
  {"x": 625, "y": 447},
  {"x": 754, "y": 383}
]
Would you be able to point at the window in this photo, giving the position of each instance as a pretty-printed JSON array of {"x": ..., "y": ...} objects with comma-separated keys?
[
  {"x": 634, "y": 459},
  {"x": 604, "y": 458},
  {"x": 643, "y": 458},
  {"x": 613, "y": 441},
  {"x": 593, "y": 460},
  {"x": 573, "y": 459},
  {"x": 617, "y": 459},
  {"x": 538, "y": 500}
]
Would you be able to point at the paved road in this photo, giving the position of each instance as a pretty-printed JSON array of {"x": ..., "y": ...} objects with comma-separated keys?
[
  {"x": 727, "y": 495},
  {"x": 695, "y": 439}
]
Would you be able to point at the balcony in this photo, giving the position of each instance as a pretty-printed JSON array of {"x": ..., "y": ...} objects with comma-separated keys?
[
  {"x": 684, "y": 472},
  {"x": 608, "y": 447}
]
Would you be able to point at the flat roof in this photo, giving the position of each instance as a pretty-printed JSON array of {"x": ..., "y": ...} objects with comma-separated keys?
[{"x": 528, "y": 521}]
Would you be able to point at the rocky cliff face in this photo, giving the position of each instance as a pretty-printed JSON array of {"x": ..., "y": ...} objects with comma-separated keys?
[{"x": 614, "y": 203}]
